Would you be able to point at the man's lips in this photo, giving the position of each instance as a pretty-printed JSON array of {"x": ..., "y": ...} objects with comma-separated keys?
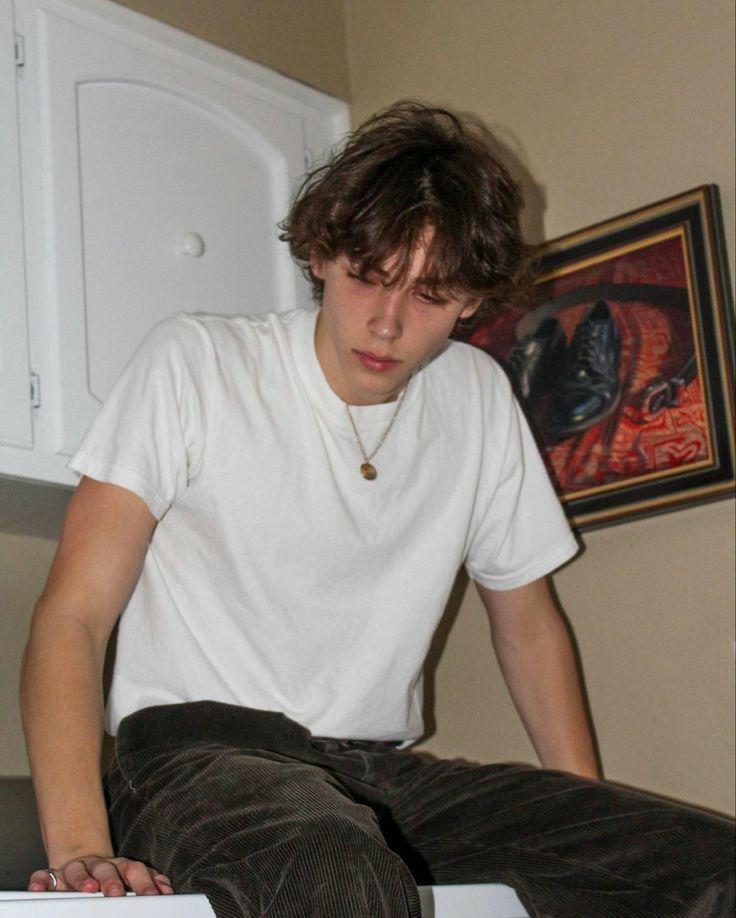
[{"x": 376, "y": 362}]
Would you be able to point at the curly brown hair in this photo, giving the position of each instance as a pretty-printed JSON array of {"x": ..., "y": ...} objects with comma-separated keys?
[{"x": 407, "y": 169}]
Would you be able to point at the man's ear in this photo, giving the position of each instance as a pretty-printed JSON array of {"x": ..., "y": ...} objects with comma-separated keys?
[
  {"x": 316, "y": 266},
  {"x": 470, "y": 309}
]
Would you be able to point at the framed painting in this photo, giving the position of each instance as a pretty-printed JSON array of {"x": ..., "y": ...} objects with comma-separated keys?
[{"x": 624, "y": 363}]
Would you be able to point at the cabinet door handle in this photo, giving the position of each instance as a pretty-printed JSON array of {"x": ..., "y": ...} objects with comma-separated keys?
[{"x": 191, "y": 245}]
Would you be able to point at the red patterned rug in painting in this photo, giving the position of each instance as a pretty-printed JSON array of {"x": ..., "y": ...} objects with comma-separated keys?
[{"x": 636, "y": 441}]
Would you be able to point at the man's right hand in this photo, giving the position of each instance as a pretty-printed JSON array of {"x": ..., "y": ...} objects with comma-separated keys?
[{"x": 112, "y": 876}]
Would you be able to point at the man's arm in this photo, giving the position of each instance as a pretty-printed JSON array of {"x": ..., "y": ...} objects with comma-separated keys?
[
  {"x": 535, "y": 653},
  {"x": 103, "y": 544}
]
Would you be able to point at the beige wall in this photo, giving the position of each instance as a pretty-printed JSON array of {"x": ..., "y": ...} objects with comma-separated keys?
[
  {"x": 606, "y": 105},
  {"x": 30, "y": 521},
  {"x": 24, "y": 561},
  {"x": 303, "y": 39}
]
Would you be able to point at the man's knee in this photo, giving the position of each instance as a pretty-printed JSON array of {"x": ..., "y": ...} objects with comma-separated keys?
[{"x": 332, "y": 867}]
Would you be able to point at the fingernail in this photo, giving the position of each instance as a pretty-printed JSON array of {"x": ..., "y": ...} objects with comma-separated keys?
[
  {"x": 36, "y": 886},
  {"x": 116, "y": 890},
  {"x": 150, "y": 891}
]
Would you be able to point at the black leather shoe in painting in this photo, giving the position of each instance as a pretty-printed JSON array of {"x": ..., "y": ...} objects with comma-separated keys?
[
  {"x": 537, "y": 357},
  {"x": 588, "y": 389}
]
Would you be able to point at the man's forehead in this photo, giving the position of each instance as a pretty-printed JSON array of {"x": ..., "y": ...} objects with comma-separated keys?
[{"x": 406, "y": 265}]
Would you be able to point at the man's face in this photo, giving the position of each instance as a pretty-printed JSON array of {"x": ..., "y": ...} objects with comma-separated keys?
[{"x": 371, "y": 337}]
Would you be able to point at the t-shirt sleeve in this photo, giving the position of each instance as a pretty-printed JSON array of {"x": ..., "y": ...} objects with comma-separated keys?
[
  {"x": 520, "y": 531},
  {"x": 148, "y": 436}
]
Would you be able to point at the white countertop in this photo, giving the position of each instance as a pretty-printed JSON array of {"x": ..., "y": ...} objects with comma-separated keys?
[{"x": 461, "y": 901}]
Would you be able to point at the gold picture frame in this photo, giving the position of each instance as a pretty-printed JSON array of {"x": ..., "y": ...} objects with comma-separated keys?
[{"x": 649, "y": 293}]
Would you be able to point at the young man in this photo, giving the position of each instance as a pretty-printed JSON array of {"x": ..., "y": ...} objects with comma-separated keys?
[{"x": 279, "y": 505}]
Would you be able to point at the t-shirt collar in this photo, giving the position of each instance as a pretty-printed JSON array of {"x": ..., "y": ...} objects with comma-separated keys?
[{"x": 324, "y": 399}]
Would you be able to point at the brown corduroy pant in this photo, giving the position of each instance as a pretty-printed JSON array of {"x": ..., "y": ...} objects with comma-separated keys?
[{"x": 248, "y": 808}]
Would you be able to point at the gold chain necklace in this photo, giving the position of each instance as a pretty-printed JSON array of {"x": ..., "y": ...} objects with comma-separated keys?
[{"x": 367, "y": 469}]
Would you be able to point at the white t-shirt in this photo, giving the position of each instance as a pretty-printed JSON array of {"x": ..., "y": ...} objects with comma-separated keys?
[{"x": 277, "y": 577}]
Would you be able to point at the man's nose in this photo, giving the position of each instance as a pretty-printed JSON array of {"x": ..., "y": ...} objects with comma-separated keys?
[{"x": 387, "y": 321}]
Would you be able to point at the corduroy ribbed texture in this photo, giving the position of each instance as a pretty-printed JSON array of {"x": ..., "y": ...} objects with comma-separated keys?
[{"x": 265, "y": 820}]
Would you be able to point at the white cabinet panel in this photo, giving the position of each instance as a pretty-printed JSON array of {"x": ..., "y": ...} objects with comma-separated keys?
[
  {"x": 140, "y": 154},
  {"x": 156, "y": 169},
  {"x": 15, "y": 402},
  {"x": 178, "y": 210}
]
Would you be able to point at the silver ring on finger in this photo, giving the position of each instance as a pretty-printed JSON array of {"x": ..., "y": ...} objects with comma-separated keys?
[{"x": 54, "y": 879}]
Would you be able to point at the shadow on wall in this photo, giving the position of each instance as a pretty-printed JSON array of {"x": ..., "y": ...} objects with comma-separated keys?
[
  {"x": 513, "y": 156},
  {"x": 21, "y": 848},
  {"x": 439, "y": 643},
  {"x": 509, "y": 151},
  {"x": 28, "y": 508},
  {"x": 436, "y": 649}
]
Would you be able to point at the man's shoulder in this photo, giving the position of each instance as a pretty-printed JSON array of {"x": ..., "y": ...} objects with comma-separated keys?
[
  {"x": 235, "y": 324},
  {"x": 211, "y": 331},
  {"x": 469, "y": 363},
  {"x": 468, "y": 387}
]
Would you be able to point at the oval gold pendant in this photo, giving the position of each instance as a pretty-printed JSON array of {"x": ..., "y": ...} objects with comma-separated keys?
[{"x": 368, "y": 471}]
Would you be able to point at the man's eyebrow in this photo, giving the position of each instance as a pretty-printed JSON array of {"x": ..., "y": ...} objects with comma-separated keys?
[
  {"x": 433, "y": 283},
  {"x": 368, "y": 269}
]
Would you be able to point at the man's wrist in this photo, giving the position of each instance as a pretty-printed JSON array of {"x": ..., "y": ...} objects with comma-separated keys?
[{"x": 60, "y": 855}]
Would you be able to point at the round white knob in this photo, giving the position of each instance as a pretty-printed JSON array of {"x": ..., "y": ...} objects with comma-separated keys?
[{"x": 190, "y": 245}]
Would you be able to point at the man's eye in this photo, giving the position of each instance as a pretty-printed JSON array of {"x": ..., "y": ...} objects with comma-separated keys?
[
  {"x": 360, "y": 278},
  {"x": 433, "y": 299}
]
